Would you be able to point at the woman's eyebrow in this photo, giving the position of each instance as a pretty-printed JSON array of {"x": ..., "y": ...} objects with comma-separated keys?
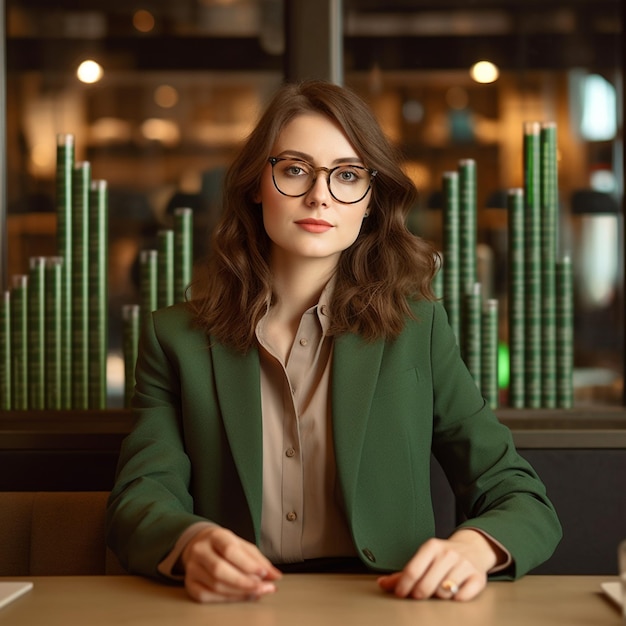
[{"x": 309, "y": 159}]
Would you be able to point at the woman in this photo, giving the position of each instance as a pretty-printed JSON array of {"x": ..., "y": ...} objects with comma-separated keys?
[{"x": 287, "y": 413}]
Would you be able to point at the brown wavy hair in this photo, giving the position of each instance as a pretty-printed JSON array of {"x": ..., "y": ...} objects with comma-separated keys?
[{"x": 376, "y": 276}]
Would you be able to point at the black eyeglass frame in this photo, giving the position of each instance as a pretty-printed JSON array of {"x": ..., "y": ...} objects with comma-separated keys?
[{"x": 329, "y": 172}]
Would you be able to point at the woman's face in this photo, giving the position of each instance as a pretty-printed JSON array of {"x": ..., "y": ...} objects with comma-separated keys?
[{"x": 314, "y": 225}]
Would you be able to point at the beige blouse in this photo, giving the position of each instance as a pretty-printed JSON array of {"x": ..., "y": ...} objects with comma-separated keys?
[{"x": 302, "y": 515}]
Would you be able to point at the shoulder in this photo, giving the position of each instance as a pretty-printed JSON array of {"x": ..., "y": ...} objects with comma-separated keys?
[
  {"x": 175, "y": 324},
  {"x": 427, "y": 313},
  {"x": 428, "y": 325},
  {"x": 179, "y": 313}
]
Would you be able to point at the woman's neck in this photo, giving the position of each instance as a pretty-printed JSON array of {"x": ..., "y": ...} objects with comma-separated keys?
[{"x": 297, "y": 287}]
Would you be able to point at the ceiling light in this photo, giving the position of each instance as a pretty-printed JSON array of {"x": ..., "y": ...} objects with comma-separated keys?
[
  {"x": 89, "y": 72},
  {"x": 484, "y": 72},
  {"x": 166, "y": 96},
  {"x": 143, "y": 21}
]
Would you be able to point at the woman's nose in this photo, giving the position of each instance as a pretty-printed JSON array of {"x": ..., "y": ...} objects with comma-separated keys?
[{"x": 319, "y": 192}]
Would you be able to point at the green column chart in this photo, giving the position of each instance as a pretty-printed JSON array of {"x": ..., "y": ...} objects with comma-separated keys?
[
  {"x": 549, "y": 222},
  {"x": 63, "y": 184},
  {"x": 80, "y": 272},
  {"x": 54, "y": 334},
  {"x": 565, "y": 333},
  {"x": 165, "y": 268},
  {"x": 471, "y": 328},
  {"x": 98, "y": 297},
  {"x": 489, "y": 353},
  {"x": 19, "y": 350},
  {"x": 148, "y": 281},
  {"x": 36, "y": 333},
  {"x": 130, "y": 342},
  {"x": 5, "y": 351},
  {"x": 183, "y": 251},
  {"x": 467, "y": 224},
  {"x": 516, "y": 297},
  {"x": 451, "y": 249},
  {"x": 532, "y": 242}
]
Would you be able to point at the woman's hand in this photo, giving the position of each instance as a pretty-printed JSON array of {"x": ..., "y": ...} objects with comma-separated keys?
[
  {"x": 222, "y": 567},
  {"x": 454, "y": 568}
]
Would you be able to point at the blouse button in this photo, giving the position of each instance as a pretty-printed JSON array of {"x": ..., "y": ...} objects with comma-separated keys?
[
  {"x": 324, "y": 309},
  {"x": 369, "y": 555},
  {"x": 304, "y": 342},
  {"x": 292, "y": 516},
  {"x": 290, "y": 452}
]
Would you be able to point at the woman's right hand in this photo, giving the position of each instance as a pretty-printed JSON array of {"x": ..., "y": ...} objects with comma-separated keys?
[{"x": 222, "y": 567}]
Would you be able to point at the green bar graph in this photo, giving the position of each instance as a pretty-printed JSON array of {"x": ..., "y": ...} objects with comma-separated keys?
[
  {"x": 472, "y": 345},
  {"x": 532, "y": 269},
  {"x": 467, "y": 224},
  {"x": 516, "y": 288},
  {"x": 165, "y": 269},
  {"x": 148, "y": 281},
  {"x": 130, "y": 341},
  {"x": 54, "y": 332},
  {"x": 98, "y": 295},
  {"x": 549, "y": 225},
  {"x": 489, "y": 353},
  {"x": 451, "y": 252},
  {"x": 5, "y": 351},
  {"x": 36, "y": 333},
  {"x": 565, "y": 333},
  {"x": 183, "y": 252},
  {"x": 64, "y": 175},
  {"x": 19, "y": 349},
  {"x": 80, "y": 273}
]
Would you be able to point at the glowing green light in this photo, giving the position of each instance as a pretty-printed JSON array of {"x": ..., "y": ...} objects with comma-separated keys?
[{"x": 503, "y": 365}]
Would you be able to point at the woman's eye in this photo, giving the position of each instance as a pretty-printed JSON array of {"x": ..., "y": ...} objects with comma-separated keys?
[
  {"x": 347, "y": 176},
  {"x": 295, "y": 170}
]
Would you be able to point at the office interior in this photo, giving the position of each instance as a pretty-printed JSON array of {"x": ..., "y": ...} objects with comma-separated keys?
[{"x": 159, "y": 95}]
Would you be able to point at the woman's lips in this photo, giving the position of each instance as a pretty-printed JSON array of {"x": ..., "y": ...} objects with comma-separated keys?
[{"x": 314, "y": 226}]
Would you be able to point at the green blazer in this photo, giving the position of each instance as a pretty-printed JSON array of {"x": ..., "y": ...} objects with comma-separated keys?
[{"x": 196, "y": 450}]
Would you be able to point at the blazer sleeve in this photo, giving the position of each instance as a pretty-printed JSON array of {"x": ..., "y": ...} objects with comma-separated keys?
[
  {"x": 150, "y": 504},
  {"x": 496, "y": 489}
]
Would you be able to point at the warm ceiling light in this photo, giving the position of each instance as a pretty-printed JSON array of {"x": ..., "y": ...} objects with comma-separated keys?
[
  {"x": 484, "y": 72},
  {"x": 163, "y": 131},
  {"x": 143, "y": 21},
  {"x": 166, "y": 96},
  {"x": 89, "y": 72}
]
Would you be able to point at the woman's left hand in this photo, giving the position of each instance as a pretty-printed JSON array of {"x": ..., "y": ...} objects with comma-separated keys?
[{"x": 453, "y": 569}]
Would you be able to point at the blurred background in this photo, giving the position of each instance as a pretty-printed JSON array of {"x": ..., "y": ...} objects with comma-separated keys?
[{"x": 160, "y": 94}]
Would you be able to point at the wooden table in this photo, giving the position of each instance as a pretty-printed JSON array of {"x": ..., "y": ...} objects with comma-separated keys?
[{"x": 309, "y": 600}]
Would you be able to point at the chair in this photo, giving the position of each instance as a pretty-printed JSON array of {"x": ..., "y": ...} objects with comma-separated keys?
[{"x": 54, "y": 533}]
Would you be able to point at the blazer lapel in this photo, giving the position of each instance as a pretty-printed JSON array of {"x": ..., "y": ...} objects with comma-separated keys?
[
  {"x": 239, "y": 392},
  {"x": 356, "y": 366}
]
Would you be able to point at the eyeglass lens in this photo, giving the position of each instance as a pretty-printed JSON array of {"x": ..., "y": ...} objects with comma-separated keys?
[{"x": 347, "y": 183}]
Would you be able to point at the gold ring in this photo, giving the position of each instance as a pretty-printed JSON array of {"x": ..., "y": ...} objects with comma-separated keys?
[{"x": 449, "y": 586}]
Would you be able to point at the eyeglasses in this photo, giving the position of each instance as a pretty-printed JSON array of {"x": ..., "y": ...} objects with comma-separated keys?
[{"x": 347, "y": 183}]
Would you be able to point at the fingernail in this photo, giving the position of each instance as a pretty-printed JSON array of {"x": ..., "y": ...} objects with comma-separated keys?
[{"x": 268, "y": 588}]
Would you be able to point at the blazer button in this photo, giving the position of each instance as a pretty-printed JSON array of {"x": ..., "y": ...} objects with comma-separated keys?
[{"x": 369, "y": 555}]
